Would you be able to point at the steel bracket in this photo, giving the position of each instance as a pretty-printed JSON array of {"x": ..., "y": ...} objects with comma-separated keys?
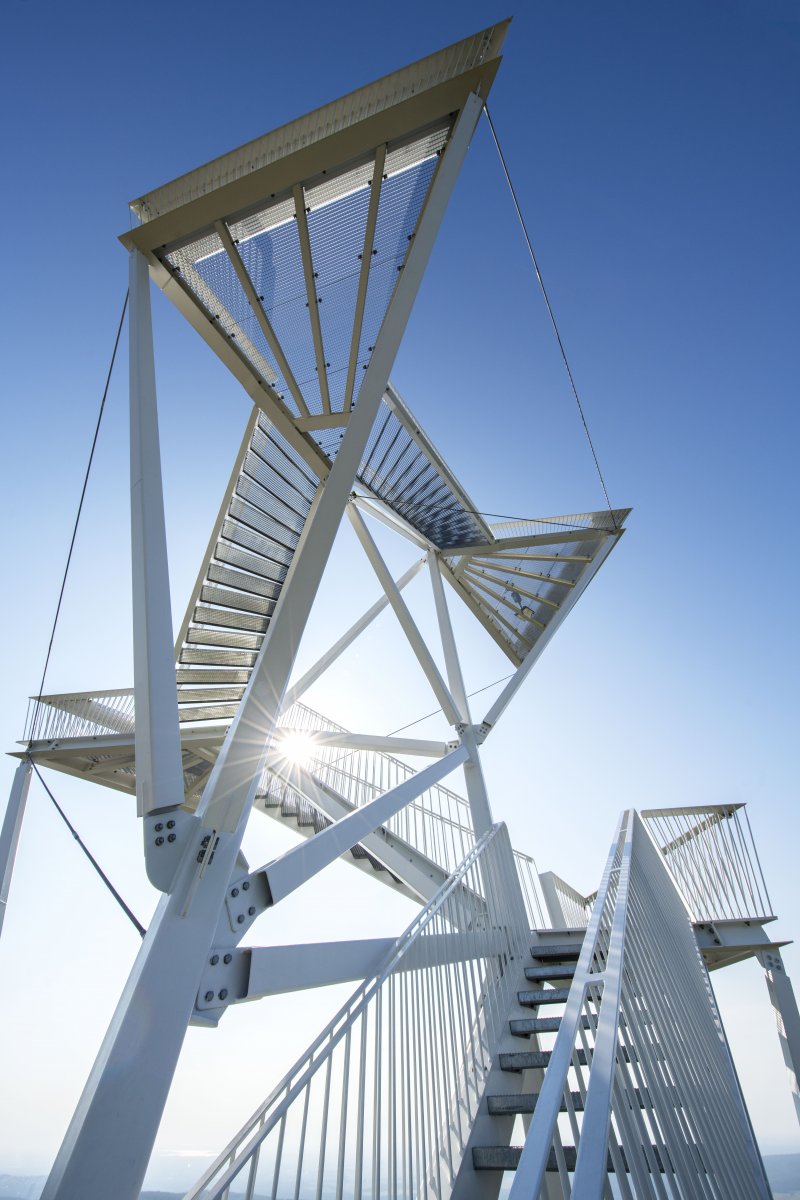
[
  {"x": 224, "y": 980},
  {"x": 165, "y": 837},
  {"x": 245, "y": 898}
]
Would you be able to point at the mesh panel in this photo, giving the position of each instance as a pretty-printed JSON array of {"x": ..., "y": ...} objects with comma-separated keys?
[
  {"x": 520, "y": 589},
  {"x": 397, "y": 470}
]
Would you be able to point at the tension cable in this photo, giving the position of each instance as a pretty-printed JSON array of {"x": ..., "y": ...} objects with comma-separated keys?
[
  {"x": 128, "y": 912},
  {"x": 38, "y": 709},
  {"x": 550, "y": 312}
]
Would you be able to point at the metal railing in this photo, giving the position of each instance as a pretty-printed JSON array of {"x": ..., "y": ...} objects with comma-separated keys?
[
  {"x": 566, "y": 907},
  {"x": 79, "y": 715},
  {"x": 437, "y": 824},
  {"x": 642, "y": 1037},
  {"x": 382, "y": 1103},
  {"x": 713, "y": 859}
]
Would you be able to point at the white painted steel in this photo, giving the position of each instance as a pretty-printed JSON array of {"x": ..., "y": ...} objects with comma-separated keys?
[
  {"x": 383, "y": 1101},
  {"x": 784, "y": 1004},
  {"x": 566, "y": 907},
  {"x": 112, "y": 1131},
  {"x": 356, "y": 629},
  {"x": 713, "y": 859},
  {"x": 306, "y": 860},
  {"x": 521, "y": 674},
  {"x": 662, "y": 1100},
  {"x": 407, "y": 622},
  {"x": 159, "y": 777},
  {"x": 9, "y": 834}
]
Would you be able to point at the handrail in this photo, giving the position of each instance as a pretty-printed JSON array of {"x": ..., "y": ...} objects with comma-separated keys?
[
  {"x": 389, "y": 1089},
  {"x": 642, "y": 1035}
]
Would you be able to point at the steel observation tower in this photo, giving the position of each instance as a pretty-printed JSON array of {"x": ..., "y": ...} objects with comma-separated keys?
[{"x": 516, "y": 1025}]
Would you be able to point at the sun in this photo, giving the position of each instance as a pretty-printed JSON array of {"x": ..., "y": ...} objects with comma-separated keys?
[{"x": 297, "y": 748}]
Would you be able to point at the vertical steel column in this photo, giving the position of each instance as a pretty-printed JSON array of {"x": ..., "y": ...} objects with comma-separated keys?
[
  {"x": 473, "y": 772},
  {"x": 159, "y": 778},
  {"x": 784, "y": 1002},
  {"x": 108, "y": 1144},
  {"x": 9, "y": 835}
]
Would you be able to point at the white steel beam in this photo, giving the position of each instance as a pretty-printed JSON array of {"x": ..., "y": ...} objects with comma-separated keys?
[
  {"x": 294, "y": 693},
  {"x": 159, "y": 777},
  {"x": 302, "y": 862},
  {"x": 784, "y": 1003},
  {"x": 419, "y": 875},
  {"x": 9, "y": 835},
  {"x": 112, "y": 1132},
  {"x": 380, "y": 511},
  {"x": 358, "y": 741},
  {"x": 477, "y": 794},
  {"x": 407, "y": 622}
]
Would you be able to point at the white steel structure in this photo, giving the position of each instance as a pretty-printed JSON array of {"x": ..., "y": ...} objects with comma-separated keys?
[{"x": 510, "y": 997}]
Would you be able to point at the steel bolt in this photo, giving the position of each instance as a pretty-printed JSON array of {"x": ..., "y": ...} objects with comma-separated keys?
[
  {"x": 159, "y": 827},
  {"x": 223, "y": 993},
  {"x": 240, "y": 919},
  {"x": 227, "y": 958},
  {"x": 209, "y": 997},
  {"x": 170, "y": 824},
  {"x": 251, "y": 910},
  {"x": 214, "y": 959},
  {"x": 171, "y": 837},
  {"x": 234, "y": 891},
  {"x": 246, "y": 885},
  {"x": 159, "y": 841}
]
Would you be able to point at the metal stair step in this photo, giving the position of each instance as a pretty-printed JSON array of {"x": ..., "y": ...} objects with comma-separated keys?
[
  {"x": 506, "y": 1158},
  {"x": 528, "y": 1060},
  {"x": 525, "y": 1026},
  {"x": 543, "y": 996},
  {"x": 561, "y": 971},
  {"x": 557, "y": 951},
  {"x": 525, "y": 1102}
]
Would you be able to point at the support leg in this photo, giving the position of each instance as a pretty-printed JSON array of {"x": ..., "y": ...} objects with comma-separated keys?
[
  {"x": 784, "y": 1002},
  {"x": 9, "y": 836}
]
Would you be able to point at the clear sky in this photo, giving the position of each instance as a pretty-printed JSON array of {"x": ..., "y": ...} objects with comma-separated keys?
[{"x": 654, "y": 149}]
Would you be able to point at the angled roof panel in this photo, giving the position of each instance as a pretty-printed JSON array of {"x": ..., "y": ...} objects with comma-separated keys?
[
  {"x": 521, "y": 584},
  {"x": 317, "y": 126}
]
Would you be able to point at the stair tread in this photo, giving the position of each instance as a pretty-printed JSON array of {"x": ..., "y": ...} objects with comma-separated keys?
[
  {"x": 525, "y": 1026},
  {"x": 527, "y": 1060},
  {"x": 560, "y": 971},
  {"x": 506, "y": 1158},
  {"x": 560, "y": 951},
  {"x": 530, "y": 999},
  {"x": 525, "y": 1102}
]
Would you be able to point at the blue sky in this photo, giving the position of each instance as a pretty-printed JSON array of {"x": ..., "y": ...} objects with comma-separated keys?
[{"x": 654, "y": 150}]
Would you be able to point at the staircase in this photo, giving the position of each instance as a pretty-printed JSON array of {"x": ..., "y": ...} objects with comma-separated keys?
[{"x": 554, "y": 955}]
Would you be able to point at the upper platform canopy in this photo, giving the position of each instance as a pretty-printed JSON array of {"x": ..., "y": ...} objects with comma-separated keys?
[{"x": 285, "y": 254}]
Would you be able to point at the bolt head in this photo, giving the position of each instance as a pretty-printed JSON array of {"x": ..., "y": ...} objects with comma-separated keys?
[
  {"x": 246, "y": 885},
  {"x": 214, "y": 959},
  {"x": 171, "y": 837},
  {"x": 159, "y": 841},
  {"x": 234, "y": 891},
  {"x": 170, "y": 824},
  {"x": 223, "y": 993},
  {"x": 251, "y": 910},
  {"x": 209, "y": 997},
  {"x": 227, "y": 958},
  {"x": 158, "y": 827},
  {"x": 240, "y": 919}
]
